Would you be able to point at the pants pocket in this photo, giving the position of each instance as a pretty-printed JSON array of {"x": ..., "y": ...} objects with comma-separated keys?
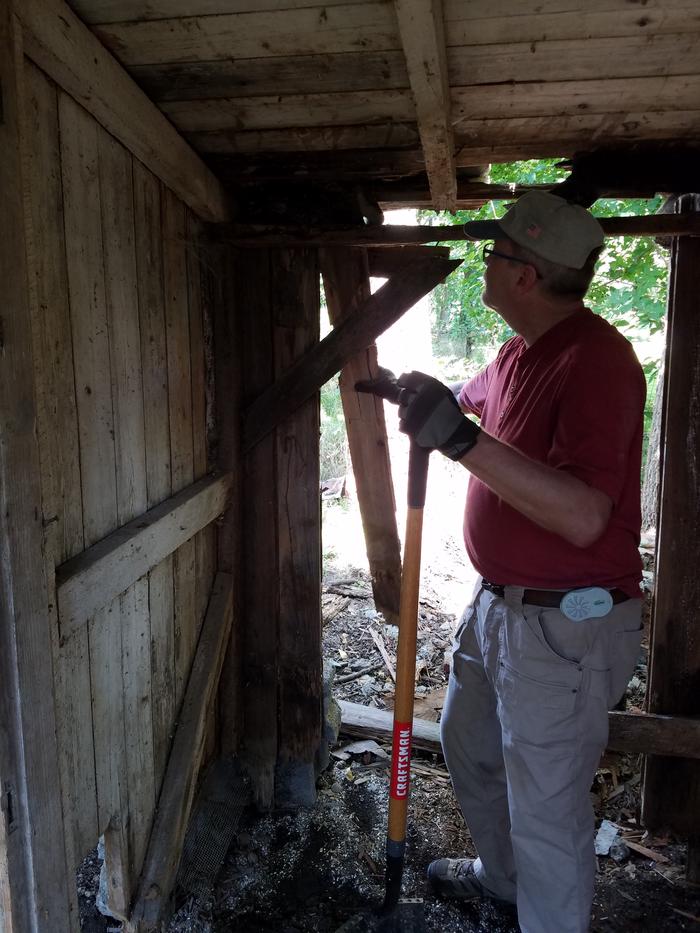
[
  {"x": 626, "y": 645},
  {"x": 537, "y": 688},
  {"x": 533, "y": 711}
]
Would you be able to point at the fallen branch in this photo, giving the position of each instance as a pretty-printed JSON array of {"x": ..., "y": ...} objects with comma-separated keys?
[
  {"x": 348, "y": 678},
  {"x": 379, "y": 642}
]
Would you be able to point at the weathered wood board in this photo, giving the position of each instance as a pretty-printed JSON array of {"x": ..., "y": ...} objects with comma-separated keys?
[
  {"x": 112, "y": 298},
  {"x": 259, "y": 642},
  {"x": 296, "y": 323},
  {"x": 671, "y": 795},
  {"x": 347, "y": 288}
]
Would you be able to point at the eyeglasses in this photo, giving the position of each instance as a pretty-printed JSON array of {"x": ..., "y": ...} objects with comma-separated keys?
[{"x": 488, "y": 251}]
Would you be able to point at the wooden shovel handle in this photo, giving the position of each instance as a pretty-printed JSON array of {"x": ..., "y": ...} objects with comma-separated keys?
[{"x": 406, "y": 654}]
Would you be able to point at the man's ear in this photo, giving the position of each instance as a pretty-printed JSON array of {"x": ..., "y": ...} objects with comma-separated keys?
[{"x": 527, "y": 279}]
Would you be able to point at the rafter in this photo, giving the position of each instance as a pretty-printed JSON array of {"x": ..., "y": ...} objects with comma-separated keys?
[{"x": 421, "y": 27}]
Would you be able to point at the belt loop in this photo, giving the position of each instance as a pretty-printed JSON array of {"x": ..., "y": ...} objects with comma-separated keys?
[{"x": 514, "y": 597}]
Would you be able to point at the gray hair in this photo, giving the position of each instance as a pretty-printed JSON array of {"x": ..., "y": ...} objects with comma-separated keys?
[{"x": 561, "y": 281}]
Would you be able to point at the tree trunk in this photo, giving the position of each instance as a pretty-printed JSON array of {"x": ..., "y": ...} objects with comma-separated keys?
[{"x": 650, "y": 484}]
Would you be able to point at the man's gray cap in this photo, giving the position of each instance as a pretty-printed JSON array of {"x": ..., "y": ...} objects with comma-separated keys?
[{"x": 547, "y": 225}]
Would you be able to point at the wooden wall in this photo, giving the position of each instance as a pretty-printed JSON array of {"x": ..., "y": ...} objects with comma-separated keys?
[
  {"x": 118, "y": 341},
  {"x": 281, "y": 640}
]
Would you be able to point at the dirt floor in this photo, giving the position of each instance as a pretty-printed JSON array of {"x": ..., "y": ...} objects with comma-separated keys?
[{"x": 321, "y": 870}]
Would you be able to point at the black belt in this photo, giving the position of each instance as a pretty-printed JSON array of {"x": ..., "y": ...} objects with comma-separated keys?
[{"x": 548, "y": 598}]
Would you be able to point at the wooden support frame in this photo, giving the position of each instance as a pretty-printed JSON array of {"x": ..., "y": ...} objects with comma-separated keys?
[
  {"x": 62, "y": 46},
  {"x": 221, "y": 296},
  {"x": 296, "y": 321},
  {"x": 383, "y": 263},
  {"x": 34, "y": 878},
  {"x": 422, "y": 31},
  {"x": 91, "y": 580},
  {"x": 260, "y": 573},
  {"x": 629, "y": 732},
  {"x": 346, "y": 283},
  {"x": 257, "y": 235},
  {"x": 671, "y": 793},
  {"x": 179, "y": 784},
  {"x": 310, "y": 371},
  {"x": 278, "y": 291}
]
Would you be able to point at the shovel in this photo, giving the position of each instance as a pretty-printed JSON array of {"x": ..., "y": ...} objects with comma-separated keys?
[{"x": 397, "y": 914}]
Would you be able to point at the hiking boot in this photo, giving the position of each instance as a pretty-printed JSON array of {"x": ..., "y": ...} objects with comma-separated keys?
[{"x": 455, "y": 877}]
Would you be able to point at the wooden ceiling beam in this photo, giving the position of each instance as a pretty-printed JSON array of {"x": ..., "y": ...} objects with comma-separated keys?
[
  {"x": 422, "y": 32},
  {"x": 258, "y": 235}
]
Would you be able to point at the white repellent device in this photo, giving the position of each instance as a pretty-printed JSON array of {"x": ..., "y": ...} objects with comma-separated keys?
[{"x": 592, "y": 602}]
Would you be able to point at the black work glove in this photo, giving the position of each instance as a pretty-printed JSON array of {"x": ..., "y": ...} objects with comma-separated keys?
[{"x": 430, "y": 414}]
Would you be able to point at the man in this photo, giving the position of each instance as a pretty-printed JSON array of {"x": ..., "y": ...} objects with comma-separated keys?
[{"x": 552, "y": 524}]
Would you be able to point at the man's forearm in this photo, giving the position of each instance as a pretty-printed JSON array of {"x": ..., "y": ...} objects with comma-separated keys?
[{"x": 552, "y": 499}]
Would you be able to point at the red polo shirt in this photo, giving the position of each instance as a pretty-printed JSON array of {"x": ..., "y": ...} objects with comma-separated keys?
[{"x": 573, "y": 400}]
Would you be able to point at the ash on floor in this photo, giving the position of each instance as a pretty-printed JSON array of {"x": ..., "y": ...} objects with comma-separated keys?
[{"x": 313, "y": 871}]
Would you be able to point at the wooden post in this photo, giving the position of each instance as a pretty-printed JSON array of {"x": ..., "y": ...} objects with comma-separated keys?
[
  {"x": 223, "y": 309},
  {"x": 295, "y": 300},
  {"x": 278, "y": 294},
  {"x": 259, "y": 637},
  {"x": 346, "y": 282},
  {"x": 672, "y": 786},
  {"x": 33, "y": 876}
]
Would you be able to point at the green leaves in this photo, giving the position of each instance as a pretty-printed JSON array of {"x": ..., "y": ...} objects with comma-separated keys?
[{"x": 629, "y": 289}]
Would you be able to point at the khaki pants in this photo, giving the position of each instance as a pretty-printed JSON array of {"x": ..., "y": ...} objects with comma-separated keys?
[{"x": 524, "y": 726}]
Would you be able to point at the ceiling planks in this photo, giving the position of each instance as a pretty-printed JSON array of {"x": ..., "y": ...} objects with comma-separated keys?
[
  {"x": 422, "y": 34},
  {"x": 309, "y": 31},
  {"x": 325, "y": 139},
  {"x": 124, "y": 11},
  {"x": 353, "y": 88},
  {"x": 575, "y": 60},
  {"x": 264, "y": 113},
  {"x": 463, "y": 25},
  {"x": 259, "y": 77}
]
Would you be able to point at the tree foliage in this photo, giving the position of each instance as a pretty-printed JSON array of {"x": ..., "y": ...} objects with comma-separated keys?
[{"x": 629, "y": 288}]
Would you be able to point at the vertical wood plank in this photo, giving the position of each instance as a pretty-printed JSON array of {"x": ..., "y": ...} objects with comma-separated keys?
[
  {"x": 90, "y": 335},
  {"x": 83, "y": 222},
  {"x": 121, "y": 293},
  {"x": 54, "y": 378},
  {"x": 199, "y": 404},
  {"x": 151, "y": 299},
  {"x": 185, "y": 601},
  {"x": 259, "y": 641},
  {"x": 136, "y": 660},
  {"x": 204, "y": 541},
  {"x": 161, "y": 612},
  {"x": 221, "y": 308},
  {"x": 154, "y": 358},
  {"x": 180, "y": 417},
  {"x": 57, "y": 424},
  {"x": 178, "y": 340},
  {"x": 671, "y": 785},
  {"x": 346, "y": 284},
  {"x": 109, "y": 723},
  {"x": 33, "y": 864},
  {"x": 296, "y": 315},
  {"x": 197, "y": 359},
  {"x": 6, "y": 922},
  {"x": 127, "y": 676}
]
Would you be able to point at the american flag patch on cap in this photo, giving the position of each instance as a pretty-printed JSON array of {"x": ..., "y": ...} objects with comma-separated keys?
[{"x": 534, "y": 231}]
